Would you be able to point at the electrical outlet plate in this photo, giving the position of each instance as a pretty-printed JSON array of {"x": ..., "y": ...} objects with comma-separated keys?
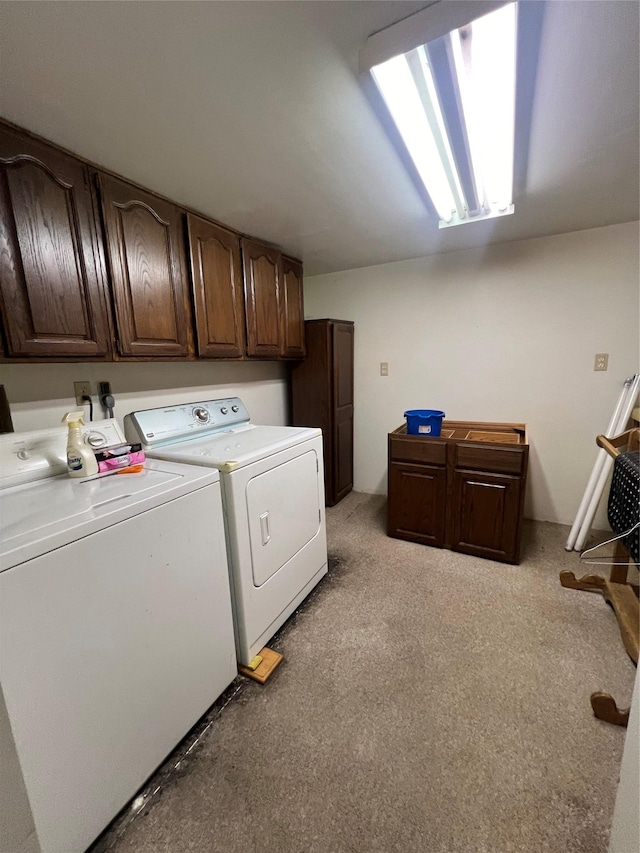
[
  {"x": 82, "y": 388},
  {"x": 601, "y": 361},
  {"x": 384, "y": 368}
]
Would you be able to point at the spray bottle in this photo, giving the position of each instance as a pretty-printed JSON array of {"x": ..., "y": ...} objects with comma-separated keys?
[{"x": 81, "y": 460}]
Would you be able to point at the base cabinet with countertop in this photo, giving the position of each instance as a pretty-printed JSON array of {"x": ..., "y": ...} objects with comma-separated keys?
[{"x": 463, "y": 490}]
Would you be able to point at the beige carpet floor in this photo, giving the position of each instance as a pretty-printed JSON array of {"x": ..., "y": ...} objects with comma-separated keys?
[{"x": 428, "y": 701}]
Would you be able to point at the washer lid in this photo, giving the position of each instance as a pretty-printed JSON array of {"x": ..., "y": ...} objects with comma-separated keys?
[
  {"x": 235, "y": 448},
  {"x": 38, "y": 517}
]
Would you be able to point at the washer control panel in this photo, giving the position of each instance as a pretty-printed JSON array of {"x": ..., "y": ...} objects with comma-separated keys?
[
  {"x": 155, "y": 427},
  {"x": 38, "y": 454}
]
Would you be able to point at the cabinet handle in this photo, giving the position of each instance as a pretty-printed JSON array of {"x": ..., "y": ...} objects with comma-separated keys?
[
  {"x": 264, "y": 528},
  {"x": 487, "y": 485}
]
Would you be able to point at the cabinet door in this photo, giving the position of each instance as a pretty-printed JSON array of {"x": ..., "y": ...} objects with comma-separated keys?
[
  {"x": 417, "y": 503},
  {"x": 52, "y": 291},
  {"x": 293, "y": 311},
  {"x": 343, "y": 453},
  {"x": 218, "y": 296},
  {"x": 145, "y": 250},
  {"x": 342, "y": 366},
  {"x": 262, "y": 272},
  {"x": 485, "y": 514}
]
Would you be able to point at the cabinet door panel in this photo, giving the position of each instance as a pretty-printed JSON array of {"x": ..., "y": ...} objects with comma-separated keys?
[
  {"x": 145, "y": 252},
  {"x": 417, "y": 503},
  {"x": 343, "y": 444},
  {"x": 293, "y": 311},
  {"x": 343, "y": 364},
  {"x": 485, "y": 514},
  {"x": 342, "y": 342},
  {"x": 262, "y": 272},
  {"x": 50, "y": 276},
  {"x": 217, "y": 288}
]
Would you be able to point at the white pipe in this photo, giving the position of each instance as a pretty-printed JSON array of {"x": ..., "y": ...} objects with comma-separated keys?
[
  {"x": 597, "y": 494},
  {"x": 597, "y": 467}
]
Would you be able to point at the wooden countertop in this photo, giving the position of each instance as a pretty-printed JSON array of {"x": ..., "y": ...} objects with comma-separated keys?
[{"x": 492, "y": 433}]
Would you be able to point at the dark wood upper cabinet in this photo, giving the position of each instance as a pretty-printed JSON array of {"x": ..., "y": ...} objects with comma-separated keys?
[
  {"x": 145, "y": 252},
  {"x": 293, "y": 310},
  {"x": 216, "y": 273},
  {"x": 262, "y": 274},
  {"x": 94, "y": 267},
  {"x": 51, "y": 286}
]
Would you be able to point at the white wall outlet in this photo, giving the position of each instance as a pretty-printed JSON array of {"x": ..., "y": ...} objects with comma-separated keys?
[
  {"x": 82, "y": 388},
  {"x": 601, "y": 361},
  {"x": 384, "y": 368}
]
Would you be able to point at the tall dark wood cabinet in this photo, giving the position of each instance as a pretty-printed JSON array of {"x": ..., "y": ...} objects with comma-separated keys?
[
  {"x": 51, "y": 284},
  {"x": 322, "y": 396}
]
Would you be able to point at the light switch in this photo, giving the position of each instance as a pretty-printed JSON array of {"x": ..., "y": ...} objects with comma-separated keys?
[{"x": 384, "y": 368}]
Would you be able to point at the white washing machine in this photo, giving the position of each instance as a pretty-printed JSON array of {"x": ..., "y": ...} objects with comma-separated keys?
[
  {"x": 273, "y": 500},
  {"x": 116, "y": 631}
]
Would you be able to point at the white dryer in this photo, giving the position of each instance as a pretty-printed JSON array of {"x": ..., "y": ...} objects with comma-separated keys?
[
  {"x": 116, "y": 631},
  {"x": 273, "y": 499}
]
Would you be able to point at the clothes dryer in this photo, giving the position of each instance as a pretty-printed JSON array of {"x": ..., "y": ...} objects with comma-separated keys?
[{"x": 273, "y": 498}]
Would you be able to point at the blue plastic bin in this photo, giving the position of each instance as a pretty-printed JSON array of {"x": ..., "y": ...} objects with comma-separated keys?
[{"x": 424, "y": 421}]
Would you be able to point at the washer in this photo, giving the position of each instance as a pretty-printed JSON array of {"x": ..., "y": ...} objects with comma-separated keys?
[
  {"x": 273, "y": 499},
  {"x": 116, "y": 630}
]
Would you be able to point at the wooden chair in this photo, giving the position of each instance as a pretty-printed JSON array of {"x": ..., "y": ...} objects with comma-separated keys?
[{"x": 617, "y": 591}]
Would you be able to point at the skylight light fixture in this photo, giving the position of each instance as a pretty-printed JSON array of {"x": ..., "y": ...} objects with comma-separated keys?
[{"x": 453, "y": 102}]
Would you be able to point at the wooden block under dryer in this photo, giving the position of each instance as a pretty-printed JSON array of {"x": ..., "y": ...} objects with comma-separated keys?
[{"x": 270, "y": 662}]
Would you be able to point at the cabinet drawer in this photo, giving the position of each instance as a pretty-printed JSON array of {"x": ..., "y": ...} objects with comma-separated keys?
[
  {"x": 502, "y": 460},
  {"x": 426, "y": 450}
]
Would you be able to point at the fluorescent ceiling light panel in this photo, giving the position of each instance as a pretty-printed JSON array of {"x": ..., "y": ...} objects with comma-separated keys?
[
  {"x": 396, "y": 82},
  {"x": 482, "y": 70}
]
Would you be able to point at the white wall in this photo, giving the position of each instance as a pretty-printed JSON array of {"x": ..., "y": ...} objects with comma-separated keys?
[
  {"x": 40, "y": 394},
  {"x": 507, "y": 333}
]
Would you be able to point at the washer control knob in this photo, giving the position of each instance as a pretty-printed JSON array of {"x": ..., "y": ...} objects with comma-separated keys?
[
  {"x": 24, "y": 454},
  {"x": 94, "y": 439},
  {"x": 224, "y": 411},
  {"x": 201, "y": 414},
  {"x": 235, "y": 408}
]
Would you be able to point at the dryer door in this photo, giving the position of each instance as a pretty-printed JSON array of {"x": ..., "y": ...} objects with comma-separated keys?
[{"x": 284, "y": 513}]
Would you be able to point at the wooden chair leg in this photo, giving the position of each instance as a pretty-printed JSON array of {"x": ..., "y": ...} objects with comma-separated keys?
[
  {"x": 620, "y": 564},
  {"x": 625, "y": 605},
  {"x": 605, "y": 708},
  {"x": 591, "y": 583}
]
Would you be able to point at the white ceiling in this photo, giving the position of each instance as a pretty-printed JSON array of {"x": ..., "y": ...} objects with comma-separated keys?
[{"x": 253, "y": 113}]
